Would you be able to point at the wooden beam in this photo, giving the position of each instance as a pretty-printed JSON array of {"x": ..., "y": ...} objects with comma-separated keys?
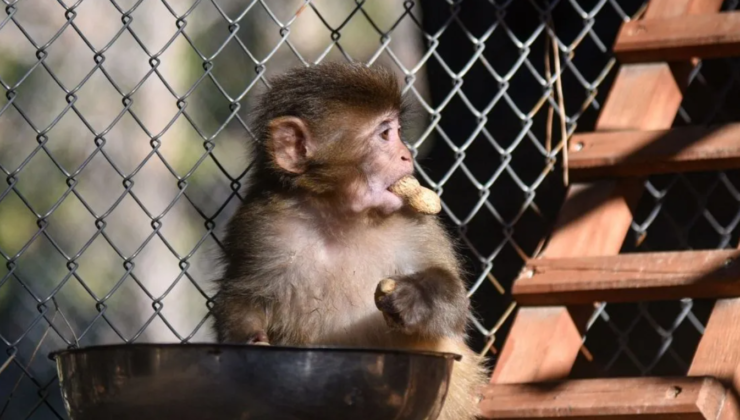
[
  {"x": 630, "y": 278},
  {"x": 679, "y": 38},
  {"x": 624, "y": 398},
  {"x": 642, "y": 153}
]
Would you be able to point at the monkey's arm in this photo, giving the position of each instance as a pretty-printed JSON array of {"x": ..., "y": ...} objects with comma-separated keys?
[
  {"x": 432, "y": 301},
  {"x": 242, "y": 306},
  {"x": 239, "y": 319}
]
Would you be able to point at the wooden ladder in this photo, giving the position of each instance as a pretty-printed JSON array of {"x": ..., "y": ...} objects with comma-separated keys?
[{"x": 581, "y": 265}]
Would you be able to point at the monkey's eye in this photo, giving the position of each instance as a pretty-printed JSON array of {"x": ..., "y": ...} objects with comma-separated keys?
[{"x": 384, "y": 135}]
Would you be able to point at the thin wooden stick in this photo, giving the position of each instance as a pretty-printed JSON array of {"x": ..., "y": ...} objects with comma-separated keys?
[
  {"x": 550, "y": 109},
  {"x": 561, "y": 105}
]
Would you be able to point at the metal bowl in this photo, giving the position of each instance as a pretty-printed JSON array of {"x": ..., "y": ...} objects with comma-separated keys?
[{"x": 224, "y": 382}]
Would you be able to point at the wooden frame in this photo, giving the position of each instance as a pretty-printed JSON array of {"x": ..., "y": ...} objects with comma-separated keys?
[
  {"x": 595, "y": 218},
  {"x": 544, "y": 341}
]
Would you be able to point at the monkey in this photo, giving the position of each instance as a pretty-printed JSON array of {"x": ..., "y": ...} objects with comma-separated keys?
[{"x": 318, "y": 231}]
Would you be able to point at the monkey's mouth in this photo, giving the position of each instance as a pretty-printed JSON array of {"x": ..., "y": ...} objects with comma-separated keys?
[
  {"x": 394, "y": 200},
  {"x": 389, "y": 192}
]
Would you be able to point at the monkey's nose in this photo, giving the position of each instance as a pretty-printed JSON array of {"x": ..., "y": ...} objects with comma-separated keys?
[{"x": 406, "y": 156}]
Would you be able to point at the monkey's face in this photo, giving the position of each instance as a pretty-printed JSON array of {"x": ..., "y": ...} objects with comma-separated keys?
[
  {"x": 352, "y": 165},
  {"x": 386, "y": 159}
]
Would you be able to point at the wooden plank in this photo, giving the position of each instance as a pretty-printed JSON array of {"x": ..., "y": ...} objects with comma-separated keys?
[
  {"x": 630, "y": 278},
  {"x": 624, "y": 398},
  {"x": 671, "y": 8},
  {"x": 679, "y": 38},
  {"x": 642, "y": 153},
  {"x": 718, "y": 353},
  {"x": 536, "y": 352},
  {"x": 643, "y": 97},
  {"x": 594, "y": 219},
  {"x": 731, "y": 408}
]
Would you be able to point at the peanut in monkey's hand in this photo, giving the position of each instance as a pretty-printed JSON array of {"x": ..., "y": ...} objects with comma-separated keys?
[
  {"x": 402, "y": 305},
  {"x": 422, "y": 200},
  {"x": 384, "y": 302}
]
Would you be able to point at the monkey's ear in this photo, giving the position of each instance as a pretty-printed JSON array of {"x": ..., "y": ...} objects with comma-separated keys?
[{"x": 290, "y": 143}]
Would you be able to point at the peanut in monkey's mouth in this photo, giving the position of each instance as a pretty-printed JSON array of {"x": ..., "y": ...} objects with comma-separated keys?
[
  {"x": 390, "y": 191},
  {"x": 398, "y": 179}
]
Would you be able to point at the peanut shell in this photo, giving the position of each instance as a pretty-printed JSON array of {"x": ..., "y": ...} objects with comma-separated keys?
[
  {"x": 405, "y": 187},
  {"x": 422, "y": 200},
  {"x": 425, "y": 201}
]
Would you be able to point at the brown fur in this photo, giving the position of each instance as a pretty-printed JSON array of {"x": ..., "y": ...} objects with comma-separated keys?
[{"x": 300, "y": 273}]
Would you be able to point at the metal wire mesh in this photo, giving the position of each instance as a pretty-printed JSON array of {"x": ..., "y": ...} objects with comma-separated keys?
[{"x": 123, "y": 124}]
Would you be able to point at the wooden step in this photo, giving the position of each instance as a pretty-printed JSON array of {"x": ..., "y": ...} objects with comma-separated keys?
[
  {"x": 678, "y": 38},
  {"x": 633, "y": 398},
  {"x": 629, "y": 278},
  {"x": 641, "y": 153}
]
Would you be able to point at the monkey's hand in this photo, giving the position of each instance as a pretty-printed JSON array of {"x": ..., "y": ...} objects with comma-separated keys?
[
  {"x": 258, "y": 338},
  {"x": 426, "y": 303},
  {"x": 385, "y": 301}
]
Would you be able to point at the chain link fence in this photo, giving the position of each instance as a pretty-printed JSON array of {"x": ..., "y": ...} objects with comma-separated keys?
[{"x": 123, "y": 124}]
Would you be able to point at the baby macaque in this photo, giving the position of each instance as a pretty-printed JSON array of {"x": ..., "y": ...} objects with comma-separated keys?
[{"x": 336, "y": 242}]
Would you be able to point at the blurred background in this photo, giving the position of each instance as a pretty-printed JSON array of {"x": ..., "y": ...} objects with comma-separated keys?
[{"x": 122, "y": 132}]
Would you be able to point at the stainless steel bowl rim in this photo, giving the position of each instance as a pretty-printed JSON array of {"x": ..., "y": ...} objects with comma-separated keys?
[{"x": 321, "y": 349}]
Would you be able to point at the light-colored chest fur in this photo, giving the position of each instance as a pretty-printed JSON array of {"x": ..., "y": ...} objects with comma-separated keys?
[{"x": 333, "y": 279}]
